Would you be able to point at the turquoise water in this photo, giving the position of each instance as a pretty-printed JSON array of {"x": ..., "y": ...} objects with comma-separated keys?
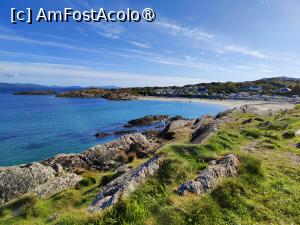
[{"x": 37, "y": 127}]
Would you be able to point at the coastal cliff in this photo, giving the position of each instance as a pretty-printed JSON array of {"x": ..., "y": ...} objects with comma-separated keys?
[{"x": 208, "y": 170}]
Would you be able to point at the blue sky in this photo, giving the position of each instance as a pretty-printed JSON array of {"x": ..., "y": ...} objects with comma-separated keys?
[{"x": 190, "y": 41}]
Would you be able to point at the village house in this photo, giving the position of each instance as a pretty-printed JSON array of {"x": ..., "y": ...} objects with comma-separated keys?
[{"x": 284, "y": 90}]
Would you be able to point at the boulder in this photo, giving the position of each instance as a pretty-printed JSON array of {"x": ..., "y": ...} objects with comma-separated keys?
[
  {"x": 105, "y": 156},
  {"x": 169, "y": 131},
  {"x": 123, "y": 132},
  {"x": 297, "y": 133},
  {"x": 202, "y": 120},
  {"x": 147, "y": 120},
  {"x": 124, "y": 185},
  {"x": 102, "y": 134},
  {"x": 211, "y": 176},
  {"x": 208, "y": 127},
  {"x": 34, "y": 178}
]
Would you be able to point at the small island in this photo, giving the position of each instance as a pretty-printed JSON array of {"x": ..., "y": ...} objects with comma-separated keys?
[{"x": 35, "y": 93}]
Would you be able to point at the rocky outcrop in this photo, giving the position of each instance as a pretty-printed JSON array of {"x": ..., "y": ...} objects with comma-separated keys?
[
  {"x": 102, "y": 135},
  {"x": 123, "y": 132},
  {"x": 205, "y": 119},
  {"x": 206, "y": 127},
  {"x": 34, "y": 178},
  {"x": 106, "y": 156},
  {"x": 110, "y": 94},
  {"x": 147, "y": 120},
  {"x": 169, "y": 131},
  {"x": 122, "y": 186},
  {"x": 210, "y": 177},
  {"x": 119, "y": 96}
]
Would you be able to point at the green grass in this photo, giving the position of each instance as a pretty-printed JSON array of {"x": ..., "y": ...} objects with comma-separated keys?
[{"x": 266, "y": 190}]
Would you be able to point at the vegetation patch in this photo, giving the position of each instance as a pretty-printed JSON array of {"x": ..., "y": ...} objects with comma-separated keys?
[
  {"x": 85, "y": 182},
  {"x": 288, "y": 134},
  {"x": 251, "y": 133}
]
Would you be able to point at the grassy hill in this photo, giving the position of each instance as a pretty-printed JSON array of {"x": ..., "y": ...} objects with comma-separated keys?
[{"x": 266, "y": 190}]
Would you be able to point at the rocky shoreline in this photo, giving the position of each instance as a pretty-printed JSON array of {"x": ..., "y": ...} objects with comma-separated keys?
[{"x": 52, "y": 175}]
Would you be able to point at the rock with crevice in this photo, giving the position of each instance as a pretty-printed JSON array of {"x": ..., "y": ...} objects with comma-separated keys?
[
  {"x": 208, "y": 128},
  {"x": 105, "y": 156},
  {"x": 33, "y": 178},
  {"x": 211, "y": 176},
  {"x": 169, "y": 131},
  {"x": 124, "y": 185}
]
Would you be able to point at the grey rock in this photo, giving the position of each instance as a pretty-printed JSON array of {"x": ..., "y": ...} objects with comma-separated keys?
[
  {"x": 297, "y": 133},
  {"x": 106, "y": 156},
  {"x": 172, "y": 126},
  {"x": 35, "y": 178},
  {"x": 147, "y": 120},
  {"x": 102, "y": 135},
  {"x": 208, "y": 128},
  {"x": 202, "y": 120},
  {"x": 58, "y": 168},
  {"x": 210, "y": 177},
  {"x": 124, "y": 185},
  {"x": 54, "y": 185}
]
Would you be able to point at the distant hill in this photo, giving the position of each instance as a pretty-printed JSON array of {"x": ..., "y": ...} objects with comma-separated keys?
[{"x": 8, "y": 88}]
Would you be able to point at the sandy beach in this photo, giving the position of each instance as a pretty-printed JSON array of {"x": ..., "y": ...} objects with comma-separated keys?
[{"x": 262, "y": 105}]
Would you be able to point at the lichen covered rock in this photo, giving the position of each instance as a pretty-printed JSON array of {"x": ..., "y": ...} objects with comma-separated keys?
[
  {"x": 106, "y": 156},
  {"x": 34, "y": 178},
  {"x": 211, "y": 176},
  {"x": 122, "y": 186}
]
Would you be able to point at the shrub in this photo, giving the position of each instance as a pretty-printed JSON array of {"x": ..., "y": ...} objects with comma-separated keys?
[
  {"x": 170, "y": 215},
  {"x": 131, "y": 211},
  {"x": 171, "y": 170},
  {"x": 271, "y": 135},
  {"x": 229, "y": 195},
  {"x": 250, "y": 169},
  {"x": 85, "y": 182},
  {"x": 246, "y": 121},
  {"x": 251, "y": 133},
  {"x": 25, "y": 206},
  {"x": 276, "y": 125},
  {"x": 205, "y": 211},
  {"x": 288, "y": 134},
  {"x": 109, "y": 177},
  {"x": 66, "y": 198}
]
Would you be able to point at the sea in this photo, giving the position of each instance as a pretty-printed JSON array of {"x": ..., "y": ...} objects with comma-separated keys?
[{"x": 34, "y": 128}]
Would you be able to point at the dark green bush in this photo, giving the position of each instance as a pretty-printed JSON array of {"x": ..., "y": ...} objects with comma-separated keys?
[
  {"x": 109, "y": 177},
  {"x": 85, "y": 182},
  {"x": 288, "y": 134},
  {"x": 271, "y": 135},
  {"x": 251, "y": 133}
]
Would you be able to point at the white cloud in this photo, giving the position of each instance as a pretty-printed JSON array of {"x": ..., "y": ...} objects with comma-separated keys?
[
  {"x": 11, "y": 75},
  {"x": 16, "y": 38},
  {"x": 86, "y": 75},
  {"x": 178, "y": 30},
  {"x": 206, "y": 40},
  {"x": 139, "y": 44},
  {"x": 244, "y": 51}
]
